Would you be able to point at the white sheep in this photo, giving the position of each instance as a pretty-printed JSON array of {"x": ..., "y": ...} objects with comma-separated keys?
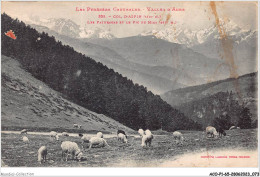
[
  {"x": 147, "y": 138},
  {"x": 25, "y": 139},
  {"x": 178, "y": 136},
  {"x": 100, "y": 135},
  {"x": 97, "y": 141},
  {"x": 42, "y": 153},
  {"x": 53, "y": 134},
  {"x": 141, "y": 132},
  {"x": 24, "y": 131},
  {"x": 85, "y": 138},
  {"x": 65, "y": 134},
  {"x": 211, "y": 131},
  {"x": 72, "y": 148},
  {"x": 121, "y": 137},
  {"x": 238, "y": 127}
]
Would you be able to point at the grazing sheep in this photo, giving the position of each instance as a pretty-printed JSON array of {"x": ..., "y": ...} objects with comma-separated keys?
[
  {"x": 141, "y": 132},
  {"x": 238, "y": 127},
  {"x": 97, "y": 141},
  {"x": 53, "y": 134},
  {"x": 121, "y": 137},
  {"x": 24, "y": 131},
  {"x": 121, "y": 131},
  {"x": 211, "y": 131},
  {"x": 85, "y": 138},
  {"x": 72, "y": 148},
  {"x": 25, "y": 139},
  {"x": 147, "y": 138},
  {"x": 65, "y": 134},
  {"x": 57, "y": 137},
  {"x": 80, "y": 134},
  {"x": 178, "y": 136},
  {"x": 100, "y": 135},
  {"x": 42, "y": 153},
  {"x": 232, "y": 127}
]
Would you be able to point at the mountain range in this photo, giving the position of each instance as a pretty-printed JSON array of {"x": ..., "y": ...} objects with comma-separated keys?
[
  {"x": 147, "y": 60},
  {"x": 86, "y": 82},
  {"x": 175, "y": 34},
  {"x": 161, "y": 60},
  {"x": 69, "y": 28},
  {"x": 190, "y": 38},
  {"x": 207, "y": 42}
]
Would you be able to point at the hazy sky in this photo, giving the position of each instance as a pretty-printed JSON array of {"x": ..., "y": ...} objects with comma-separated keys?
[{"x": 197, "y": 15}]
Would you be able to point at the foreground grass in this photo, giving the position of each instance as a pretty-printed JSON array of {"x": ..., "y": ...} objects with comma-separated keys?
[{"x": 15, "y": 153}]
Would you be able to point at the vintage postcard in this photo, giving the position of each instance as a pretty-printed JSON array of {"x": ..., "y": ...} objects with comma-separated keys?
[{"x": 129, "y": 84}]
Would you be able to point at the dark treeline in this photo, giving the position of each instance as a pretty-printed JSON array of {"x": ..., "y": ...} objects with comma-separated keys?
[
  {"x": 222, "y": 108},
  {"x": 88, "y": 83}
]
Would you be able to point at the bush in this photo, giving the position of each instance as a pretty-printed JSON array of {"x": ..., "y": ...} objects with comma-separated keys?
[
  {"x": 223, "y": 121},
  {"x": 245, "y": 119}
]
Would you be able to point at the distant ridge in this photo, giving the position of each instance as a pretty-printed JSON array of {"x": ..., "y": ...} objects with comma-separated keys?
[{"x": 205, "y": 102}]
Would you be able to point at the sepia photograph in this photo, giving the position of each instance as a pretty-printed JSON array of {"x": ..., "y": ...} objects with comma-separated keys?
[{"x": 129, "y": 84}]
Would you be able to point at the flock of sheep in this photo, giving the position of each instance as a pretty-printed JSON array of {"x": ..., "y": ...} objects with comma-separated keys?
[{"x": 72, "y": 148}]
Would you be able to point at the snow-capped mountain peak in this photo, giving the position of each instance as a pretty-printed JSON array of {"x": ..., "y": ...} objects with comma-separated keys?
[
  {"x": 69, "y": 28},
  {"x": 190, "y": 38},
  {"x": 63, "y": 26},
  {"x": 96, "y": 33}
]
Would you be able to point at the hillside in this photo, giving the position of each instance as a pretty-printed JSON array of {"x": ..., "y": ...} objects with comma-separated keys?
[
  {"x": 205, "y": 102},
  {"x": 246, "y": 84},
  {"x": 88, "y": 83},
  {"x": 187, "y": 67},
  {"x": 156, "y": 79},
  {"x": 221, "y": 104},
  {"x": 30, "y": 103}
]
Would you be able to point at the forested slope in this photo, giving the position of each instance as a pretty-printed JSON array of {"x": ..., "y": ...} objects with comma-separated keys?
[{"x": 88, "y": 83}]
